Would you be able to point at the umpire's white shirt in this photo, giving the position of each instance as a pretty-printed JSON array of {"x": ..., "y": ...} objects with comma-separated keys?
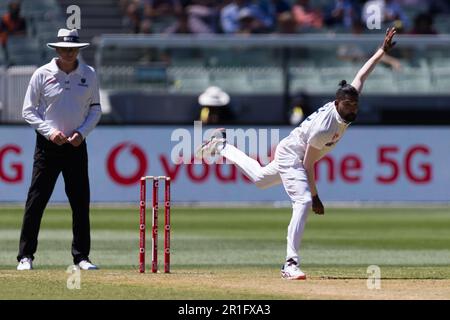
[{"x": 56, "y": 100}]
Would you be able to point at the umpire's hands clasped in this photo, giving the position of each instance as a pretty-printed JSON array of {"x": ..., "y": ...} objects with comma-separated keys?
[
  {"x": 58, "y": 138},
  {"x": 317, "y": 205},
  {"x": 75, "y": 139}
]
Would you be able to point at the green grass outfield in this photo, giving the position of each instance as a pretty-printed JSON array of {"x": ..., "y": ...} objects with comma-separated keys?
[{"x": 236, "y": 253}]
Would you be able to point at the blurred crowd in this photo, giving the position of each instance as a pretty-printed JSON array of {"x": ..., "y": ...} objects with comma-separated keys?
[{"x": 274, "y": 16}]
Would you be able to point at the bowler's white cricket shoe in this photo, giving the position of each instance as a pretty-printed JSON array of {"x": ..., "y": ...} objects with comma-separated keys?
[
  {"x": 87, "y": 265},
  {"x": 291, "y": 271},
  {"x": 214, "y": 145},
  {"x": 25, "y": 264}
]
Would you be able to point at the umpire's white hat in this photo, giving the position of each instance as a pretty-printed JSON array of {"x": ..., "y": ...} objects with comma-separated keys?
[
  {"x": 68, "y": 39},
  {"x": 214, "y": 97}
]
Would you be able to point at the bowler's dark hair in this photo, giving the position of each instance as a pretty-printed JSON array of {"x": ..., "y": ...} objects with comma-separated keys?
[{"x": 346, "y": 89}]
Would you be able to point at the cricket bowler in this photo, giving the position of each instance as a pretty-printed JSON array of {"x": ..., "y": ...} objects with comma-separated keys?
[{"x": 295, "y": 156}]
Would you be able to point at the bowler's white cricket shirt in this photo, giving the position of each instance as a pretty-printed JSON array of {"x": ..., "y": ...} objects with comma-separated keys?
[
  {"x": 56, "y": 100},
  {"x": 322, "y": 130}
]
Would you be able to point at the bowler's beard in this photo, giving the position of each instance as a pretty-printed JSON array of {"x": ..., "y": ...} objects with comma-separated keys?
[{"x": 350, "y": 117}]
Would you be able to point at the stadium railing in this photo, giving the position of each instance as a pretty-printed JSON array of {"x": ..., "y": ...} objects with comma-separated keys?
[{"x": 15, "y": 85}]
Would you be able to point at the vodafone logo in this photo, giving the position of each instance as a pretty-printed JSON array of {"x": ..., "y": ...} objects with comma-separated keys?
[{"x": 112, "y": 161}]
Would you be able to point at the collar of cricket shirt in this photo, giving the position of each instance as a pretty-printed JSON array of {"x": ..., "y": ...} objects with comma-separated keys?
[{"x": 53, "y": 67}]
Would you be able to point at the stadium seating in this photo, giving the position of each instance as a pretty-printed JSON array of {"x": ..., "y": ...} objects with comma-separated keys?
[
  {"x": 381, "y": 82},
  {"x": 268, "y": 80},
  {"x": 313, "y": 76},
  {"x": 304, "y": 79},
  {"x": 23, "y": 51},
  {"x": 440, "y": 79},
  {"x": 416, "y": 78},
  {"x": 188, "y": 79}
]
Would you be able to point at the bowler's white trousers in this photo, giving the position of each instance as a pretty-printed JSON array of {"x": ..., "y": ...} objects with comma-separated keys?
[{"x": 286, "y": 168}]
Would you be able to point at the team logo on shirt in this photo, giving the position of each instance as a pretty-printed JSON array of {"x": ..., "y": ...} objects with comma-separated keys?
[{"x": 83, "y": 83}]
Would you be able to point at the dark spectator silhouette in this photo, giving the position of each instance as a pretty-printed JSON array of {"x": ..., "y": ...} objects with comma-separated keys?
[
  {"x": 343, "y": 13},
  {"x": 203, "y": 16},
  {"x": 132, "y": 19},
  {"x": 231, "y": 15},
  {"x": 423, "y": 24},
  {"x": 394, "y": 12},
  {"x": 286, "y": 23},
  {"x": 161, "y": 8},
  {"x": 306, "y": 16},
  {"x": 181, "y": 26},
  {"x": 161, "y": 13},
  {"x": 272, "y": 9},
  {"x": 12, "y": 23},
  {"x": 195, "y": 18},
  {"x": 249, "y": 22}
]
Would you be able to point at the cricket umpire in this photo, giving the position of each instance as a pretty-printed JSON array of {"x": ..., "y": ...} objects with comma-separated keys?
[{"x": 62, "y": 104}]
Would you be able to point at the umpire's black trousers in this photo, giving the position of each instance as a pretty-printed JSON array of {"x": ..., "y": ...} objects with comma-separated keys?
[{"x": 49, "y": 160}]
